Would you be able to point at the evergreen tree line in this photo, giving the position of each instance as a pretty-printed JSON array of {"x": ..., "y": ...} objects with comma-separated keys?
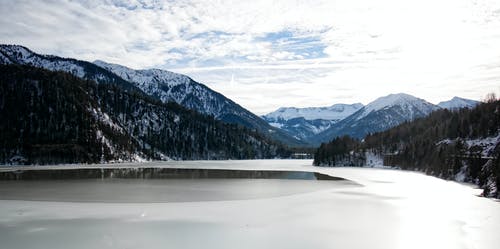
[
  {"x": 341, "y": 151},
  {"x": 436, "y": 145},
  {"x": 54, "y": 117}
]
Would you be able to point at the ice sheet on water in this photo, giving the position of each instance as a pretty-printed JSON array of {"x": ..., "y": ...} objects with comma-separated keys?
[{"x": 392, "y": 209}]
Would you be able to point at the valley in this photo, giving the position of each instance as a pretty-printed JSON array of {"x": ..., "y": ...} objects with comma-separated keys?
[{"x": 179, "y": 124}]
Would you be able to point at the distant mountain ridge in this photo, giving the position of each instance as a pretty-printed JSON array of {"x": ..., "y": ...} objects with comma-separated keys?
[
  {"x": 289, "y": 125},
  {"x": 163, "y": 85},
  {"x": 381, "y": 114},
  {"x": 334, "y": 112},
  {"x": 457, "y": 103},
  {"x": 304, "y": 123},
  {"x": 313, "y": 125}
]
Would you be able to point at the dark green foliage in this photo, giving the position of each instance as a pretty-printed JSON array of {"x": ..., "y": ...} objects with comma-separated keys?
[
  {"x": 434, "y": 144},
  {"x": 340, "y": 151},
  {"x": 53, "y": 117},
  {"x": 43, "y": 116},
  {"x": 422, "y": 144},
  {"x": 195, "y": 96},
  {"x": 482, "y": 121}
]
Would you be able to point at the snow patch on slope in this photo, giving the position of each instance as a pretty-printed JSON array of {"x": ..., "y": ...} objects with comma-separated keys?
[
  {"x": 487, "y": 144},
  {"x": 277, "y": 125},
  {"x": 145, "y": 78},
  {"x": 169, "y": 86},
  {"x": 21, "y": 55},
  {"x": 374, "y": 160},
  {"x": 105, "y": 119}
]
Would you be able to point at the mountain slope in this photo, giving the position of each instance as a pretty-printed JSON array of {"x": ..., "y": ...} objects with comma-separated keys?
[
  {"x": 461, "y": 145},
  {"x": 304, "y": 123},
  {"x": 163, "y": 85},
  {"x": 55, "y": 117},
  {"x": 457, "y": 103},
  {"x": 15, "y": 54},
  {"x": 379, "y": 115},
  {"x": 169, "y": 86}
]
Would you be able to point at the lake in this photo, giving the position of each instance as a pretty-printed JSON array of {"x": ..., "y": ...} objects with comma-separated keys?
[{"x": 242, "y": 204}]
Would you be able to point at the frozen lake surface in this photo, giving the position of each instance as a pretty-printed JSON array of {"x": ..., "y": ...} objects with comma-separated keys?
[
  {"x": 153, "y": 185},
  {"x": 372, "y": 208}
]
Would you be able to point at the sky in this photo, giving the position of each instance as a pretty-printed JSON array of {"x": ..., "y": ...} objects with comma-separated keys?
[{"x": 270, "y": 54}]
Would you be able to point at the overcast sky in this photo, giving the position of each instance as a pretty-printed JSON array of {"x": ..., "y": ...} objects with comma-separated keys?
[{"x": 267, "y": 54}]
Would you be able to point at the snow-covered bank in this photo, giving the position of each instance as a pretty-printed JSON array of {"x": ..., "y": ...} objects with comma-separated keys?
[{"x": 390, "y": 209}]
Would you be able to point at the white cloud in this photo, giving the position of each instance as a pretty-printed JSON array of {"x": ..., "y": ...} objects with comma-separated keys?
[{"x": 279, "y": 53}]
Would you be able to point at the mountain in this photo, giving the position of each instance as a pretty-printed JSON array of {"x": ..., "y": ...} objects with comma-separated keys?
[
  {"x": 457, "y": 103},
  {"x": 334, "y": 112},
  {"x": 304, "y": 123},
  {"x": 381, "y": 114},
  {"x": 461, "y": 145},
  {"x": 15, "y": 54},
  {"x": 54, "y": 117},
  {"x": 160, "y": 84}
]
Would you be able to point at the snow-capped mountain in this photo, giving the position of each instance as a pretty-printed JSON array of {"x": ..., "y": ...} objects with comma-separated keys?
[
  {"x": 15, "y": 54},
  {"x": 168, "y": 86},
  {"x": 381, "y": 114},
  {"x": 54, "y": 117},
  {"x": 163, "y": 85},
  {"x": 457, "y": 103},
  {"x": 306, "y": 122},
  {"x": 334, "y": 112},
  {"x": 407, "y": 105}
]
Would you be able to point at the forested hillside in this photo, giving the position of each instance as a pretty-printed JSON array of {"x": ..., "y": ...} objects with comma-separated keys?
[
  {"x": 461, "y": 145},
  {"x": 157, "y": 84},
  {"x": 55, "y": 117}
]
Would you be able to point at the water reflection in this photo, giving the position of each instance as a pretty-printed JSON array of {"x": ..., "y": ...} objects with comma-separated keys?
[
  {"x": 159, "y": 184},
  {"x": 159, "y": 173}
]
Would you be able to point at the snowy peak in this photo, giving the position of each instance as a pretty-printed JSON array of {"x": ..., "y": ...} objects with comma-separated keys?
[
  {"x": 302, "y": 123},
  {"x": 334, "y": 112},
  {"x": 406, "y": 102},
  {"x": 379, "y": 115},
  {"x": 168, "y": 86},
  {"x": 457, "y": 103},
  {"x": 8, "y": 52},
  {"x": 15, "y": 51},
  {"x": 15, "y": 54},
  {"x": 145, "y": 77}
]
